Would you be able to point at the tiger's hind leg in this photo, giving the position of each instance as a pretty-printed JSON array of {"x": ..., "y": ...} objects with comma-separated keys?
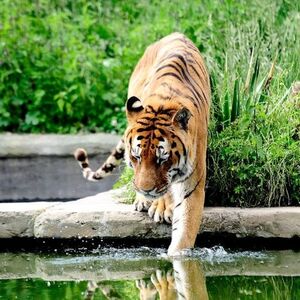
[{"x": 160, "y": 210}]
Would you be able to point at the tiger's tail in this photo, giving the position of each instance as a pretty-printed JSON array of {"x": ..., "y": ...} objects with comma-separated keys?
[{"x": 106, "y": 169}]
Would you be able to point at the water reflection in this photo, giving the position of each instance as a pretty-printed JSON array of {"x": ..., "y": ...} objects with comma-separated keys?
[
  {"x": 184, "y": 280},
  {"x": 144, "y": 273}
]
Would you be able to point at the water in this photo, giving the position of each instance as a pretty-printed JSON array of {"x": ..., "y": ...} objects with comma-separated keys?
[{"x": 147, "y": 274}]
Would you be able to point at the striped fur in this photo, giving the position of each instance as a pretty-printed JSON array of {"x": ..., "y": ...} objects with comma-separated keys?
[
  {"x": 166, "y": 138},
  {"x": 106, "y": 169}
]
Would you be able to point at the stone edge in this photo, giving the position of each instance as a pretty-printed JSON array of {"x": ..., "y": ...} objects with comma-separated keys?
[
  {"x": 104, "y": 216},
  {"x": 28, "y": 145}
]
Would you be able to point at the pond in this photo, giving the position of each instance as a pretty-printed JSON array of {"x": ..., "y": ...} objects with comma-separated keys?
[{"x": 146, "y": 273}]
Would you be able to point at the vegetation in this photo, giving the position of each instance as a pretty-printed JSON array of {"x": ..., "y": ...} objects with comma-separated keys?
[
  {"x": 65, "y": 66},
  {"x": 218, "y": 287}
]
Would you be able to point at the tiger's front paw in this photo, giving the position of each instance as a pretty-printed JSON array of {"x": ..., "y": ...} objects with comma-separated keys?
[
  {"x": 164, "y": 282},
  {"x": 141, "y": 203},
  {"x": 147, "y": 290},
  {"x": 162, "y": 210}
]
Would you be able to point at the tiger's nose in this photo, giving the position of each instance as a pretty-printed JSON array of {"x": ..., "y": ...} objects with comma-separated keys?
[{"x": 146, "y": 191}]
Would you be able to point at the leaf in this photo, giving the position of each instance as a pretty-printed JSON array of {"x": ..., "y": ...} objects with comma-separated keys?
[
  {"x": 39, "y": 95},
  {"x": 61, "y": 104},
  {"x": 255, "y": 74},
  {"x": 31, "y": 118},
  {"x": 235, "y": 101},
  {"x": 226, "y": 108}
]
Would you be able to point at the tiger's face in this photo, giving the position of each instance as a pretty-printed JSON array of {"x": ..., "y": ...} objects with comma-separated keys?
[{"x": 156, "y": 148}]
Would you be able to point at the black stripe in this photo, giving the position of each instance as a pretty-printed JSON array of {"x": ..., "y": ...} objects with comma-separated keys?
[
  {"x": 160, "y": 111},
  {"x": 154, "y": 119},
  {"x": 176, "y": 221},
  {"x": 167, "y": 66},
  {"x": 202, "y": 68},
  {"x": 84, "y": 165},
  {"x": 152, "y": 127},
  {"x": 190, "y": 193},
  {"x": 151, "y": 107},
  {"x": 188, "y": 44},
  {"x": 143, "y": 123},
  {"x": 179, "y": 172},
  {"x": 194, "y": 69},
  {"x": 178, "y": 205},
  {"x": 170, "y": 74},
  {"x": 163, "y": 124},
  {"x": 187, "y": 76},
  {"x": 108, "y": 168},
  {"x": 189, "y": 175},
  {"x": 182, "y": 59},
  {"x": 161, "y": 131},
  {"x": 191, "y": 46},
  {"x": 161, "y": 96},
  {"x": 192, "y": 172},
  {"x": 163, "y": 119},
  {"x": 201, "y": 79},
  {"x": 192, "y": 89},
  {"x": 183, "y": 147},
  {"x": 147, "y": 118},
  {"x": 177, "y": 91},
  {"x": 177, "y": 56},
  {"x": 118, "y": 154},
  {"x": 167, "y": 112}
]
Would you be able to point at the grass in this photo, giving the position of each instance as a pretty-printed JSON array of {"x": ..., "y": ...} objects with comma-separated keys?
[{"x": 65, "y": 67}]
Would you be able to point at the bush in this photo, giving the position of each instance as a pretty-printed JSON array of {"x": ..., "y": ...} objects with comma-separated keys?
[{"x": 255, "y": 161}]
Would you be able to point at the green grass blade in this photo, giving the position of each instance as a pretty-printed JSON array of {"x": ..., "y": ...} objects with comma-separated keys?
[
  {"x": 226, "y": 109},
  {"x": 248, "y": 78},
  {"x": 255, "y": 74},
  {"x": 235, "y": 101}
]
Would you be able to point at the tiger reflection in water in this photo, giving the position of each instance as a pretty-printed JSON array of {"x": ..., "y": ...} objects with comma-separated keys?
[{"x": 185, "y": 280}]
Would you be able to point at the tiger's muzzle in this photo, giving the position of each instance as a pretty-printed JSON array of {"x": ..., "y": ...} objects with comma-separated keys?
[{"x": 152, "y": 193}]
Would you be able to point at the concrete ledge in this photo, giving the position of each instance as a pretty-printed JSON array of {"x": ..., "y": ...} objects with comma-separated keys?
[
  {"x": 18, "y": 219},
  {"x": 28, "y": 145},
  {"x": 105, "y": 217},
  {"x": 42, "y": 167}
]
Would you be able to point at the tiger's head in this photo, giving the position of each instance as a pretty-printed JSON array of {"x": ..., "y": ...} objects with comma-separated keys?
[{"x": 156, "y": 142}]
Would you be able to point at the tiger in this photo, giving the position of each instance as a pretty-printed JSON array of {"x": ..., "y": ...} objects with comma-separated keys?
[
  {"x": 165, "y": 142},
  {"x": 184, "y": 279}
]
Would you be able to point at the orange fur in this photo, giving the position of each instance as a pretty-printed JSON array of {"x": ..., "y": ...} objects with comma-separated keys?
[{"x": 172, "y": 85}]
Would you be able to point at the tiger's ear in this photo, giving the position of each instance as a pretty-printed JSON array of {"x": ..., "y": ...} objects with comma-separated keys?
[
  {"x": 182, "y": 117},
  {"x": 133, "y": 107},
  {"x": 134, "y": 104}
]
